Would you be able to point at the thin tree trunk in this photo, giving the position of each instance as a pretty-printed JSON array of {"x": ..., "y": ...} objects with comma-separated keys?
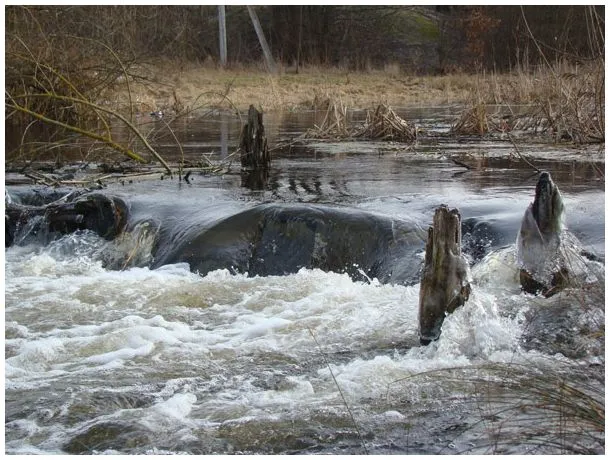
[
  {"x": 263, "y": 41},
  {"x": 300, "y": 37},
  {"x": 222, "y": 35}
]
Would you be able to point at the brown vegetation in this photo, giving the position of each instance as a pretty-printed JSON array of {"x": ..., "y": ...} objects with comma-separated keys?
[
  {"x": 384, "y": 124},
  {"x": 83, "y": 72},
  {"x": 335, "y": 123}
]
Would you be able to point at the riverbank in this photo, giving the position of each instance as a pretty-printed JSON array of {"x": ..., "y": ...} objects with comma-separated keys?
[
  {"x": 175, "y": 86},
  {"x": 556, "y": 106}
]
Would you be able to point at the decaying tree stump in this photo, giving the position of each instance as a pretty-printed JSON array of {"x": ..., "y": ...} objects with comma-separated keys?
[
  {"x": 253, "y": 143},
  {"x": 445, "y": 279},
  {"x": 255, "y": 179}
]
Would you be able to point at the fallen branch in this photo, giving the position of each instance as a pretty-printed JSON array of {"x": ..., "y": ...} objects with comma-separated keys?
[
  {"x": 75, "y": 129},
  {"x": 521, "y": 156},
  {"x": 90, "y": 134}
]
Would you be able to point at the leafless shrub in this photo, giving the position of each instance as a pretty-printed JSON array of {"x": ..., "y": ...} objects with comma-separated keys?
[
  {"x": 572, "y": 105},
  {"x": 60, "y": 83}
]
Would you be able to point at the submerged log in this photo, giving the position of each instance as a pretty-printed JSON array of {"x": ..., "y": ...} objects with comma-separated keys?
[
  {"x": 445, "y": 278},
  {"x": 254, "y": 152},
  {"x": 104, "y": 215}
]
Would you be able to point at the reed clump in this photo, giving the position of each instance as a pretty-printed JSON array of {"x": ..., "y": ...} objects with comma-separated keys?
[
  {"x": 335, "y": 123},
  {"x": 476, "y": 120},
  {"x": 571, "y": 104},
  {"x": 384, "y": 124},
  {"x": 472, "y": 121}
]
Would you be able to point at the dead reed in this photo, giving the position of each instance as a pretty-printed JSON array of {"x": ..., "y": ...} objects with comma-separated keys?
[
  {"x": 477, "y": 121},
  {"x": 571, "y": 105},
  {"x": 564, "y": 103},
  {"x": 334, "y": 125},
  {"x": 472, "y": 121},
  {"x": 384, "y": 124}
]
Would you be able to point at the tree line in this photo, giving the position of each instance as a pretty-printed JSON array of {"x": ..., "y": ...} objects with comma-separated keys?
[{"x": 418, "y": 39}]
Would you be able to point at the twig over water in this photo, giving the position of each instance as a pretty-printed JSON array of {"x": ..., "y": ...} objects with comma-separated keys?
[
  {"x": 340, "y": 392},
  {"x": 521, "y": 156}
]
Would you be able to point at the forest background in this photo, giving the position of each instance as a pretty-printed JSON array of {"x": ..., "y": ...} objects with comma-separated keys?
[{"x": 67, "y": 66}]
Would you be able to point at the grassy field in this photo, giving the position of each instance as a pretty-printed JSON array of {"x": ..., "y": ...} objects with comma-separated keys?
[{"x": 170, "y": 86}]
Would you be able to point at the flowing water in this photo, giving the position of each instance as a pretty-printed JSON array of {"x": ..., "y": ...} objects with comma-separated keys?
[{"x": 163, "y": 360}]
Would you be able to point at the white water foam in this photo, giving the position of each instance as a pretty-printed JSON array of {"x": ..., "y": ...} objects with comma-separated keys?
[{"x": 228, "y": 347}]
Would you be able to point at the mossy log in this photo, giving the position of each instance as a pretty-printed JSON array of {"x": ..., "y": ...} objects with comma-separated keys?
[
  {"x": 254, "y": 152},
  {"x": 445, "y": 279}
]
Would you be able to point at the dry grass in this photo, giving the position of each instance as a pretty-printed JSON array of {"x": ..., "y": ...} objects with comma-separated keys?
[
  {"x": 541, "y": 408},
  {"x": 568, "y": 101},
  {"x": 196, "y": 84},
  {"x": 384, "y": 124}
]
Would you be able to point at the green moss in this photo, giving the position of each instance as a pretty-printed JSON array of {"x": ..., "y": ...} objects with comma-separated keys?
[{"x": 426, "y": 27}]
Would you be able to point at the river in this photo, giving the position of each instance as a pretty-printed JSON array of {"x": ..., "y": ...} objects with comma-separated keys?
[{"x": 161, "y": 360}]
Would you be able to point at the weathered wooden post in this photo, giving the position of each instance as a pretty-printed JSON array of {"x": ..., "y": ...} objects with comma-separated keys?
[
  {"x": 254, "y": 152},
  {"x": 222, "y": 35},
  {"x": 445, "y": 279},
  {"x": 255, "y": 179}
]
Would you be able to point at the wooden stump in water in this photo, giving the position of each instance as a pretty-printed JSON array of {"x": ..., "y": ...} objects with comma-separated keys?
[
  {"x": 255, "y": 179},
  {"x": 445, "y": 278},
  {"x": 253, "y": 143}
]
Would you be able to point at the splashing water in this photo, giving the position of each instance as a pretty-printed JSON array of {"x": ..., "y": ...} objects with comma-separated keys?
[{"x": 149, "y": 361}]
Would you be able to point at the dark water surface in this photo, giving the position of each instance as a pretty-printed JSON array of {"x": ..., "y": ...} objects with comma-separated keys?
[{"x": 165, "y": 361}]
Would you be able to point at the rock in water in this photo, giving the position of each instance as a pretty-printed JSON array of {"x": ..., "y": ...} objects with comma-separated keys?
[{"x": 105, "y": 215}]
